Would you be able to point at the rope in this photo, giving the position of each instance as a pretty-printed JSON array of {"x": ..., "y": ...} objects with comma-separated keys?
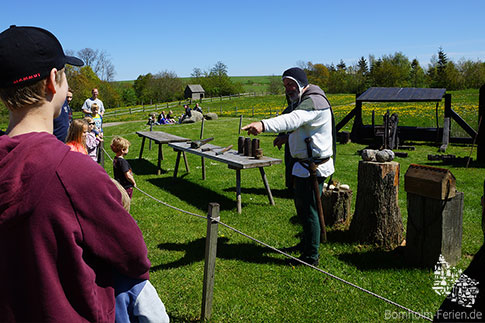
[
  {"x": 326, "y": 273},
  {"x": 287, "y": 255}
]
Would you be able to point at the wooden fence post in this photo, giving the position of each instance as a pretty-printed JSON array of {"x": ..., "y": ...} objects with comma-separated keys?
[
  {"x": 210, "y": 260},
  {"x": 202, "y": 158},
  {"x": 240, "y": 123}
]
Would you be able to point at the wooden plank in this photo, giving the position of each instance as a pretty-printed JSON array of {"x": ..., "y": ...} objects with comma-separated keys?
[
  {"x": 161, "y": 137},
  {"x": 231, "y": 157}
]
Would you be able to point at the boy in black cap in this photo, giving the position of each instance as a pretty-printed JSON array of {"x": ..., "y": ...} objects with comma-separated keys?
[{"x": 58, "y": 246}]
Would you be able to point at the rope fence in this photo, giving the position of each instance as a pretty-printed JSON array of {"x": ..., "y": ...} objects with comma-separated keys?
[{"x": 216, "y": 220}]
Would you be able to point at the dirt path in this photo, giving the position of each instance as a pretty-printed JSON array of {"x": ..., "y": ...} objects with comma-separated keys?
[{"x": 109, "y": 124}]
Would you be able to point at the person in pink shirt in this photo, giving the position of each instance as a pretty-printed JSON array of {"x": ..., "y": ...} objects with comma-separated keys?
[
  {"x": 92, "y": 140},
  {"x": 76, "y": 136}
]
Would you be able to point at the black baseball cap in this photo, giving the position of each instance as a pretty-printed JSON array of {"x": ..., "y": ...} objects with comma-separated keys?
[{"x": 28, "y": 54}]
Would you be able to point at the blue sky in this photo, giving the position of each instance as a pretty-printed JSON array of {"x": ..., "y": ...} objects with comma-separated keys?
[{"x": 255, "y": 37}]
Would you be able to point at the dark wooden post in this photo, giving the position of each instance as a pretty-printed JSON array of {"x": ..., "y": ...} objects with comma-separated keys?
[
  {"x": 481, "y": 130},
  {"x": 240, "y": 124},
  {"x": 448, "y": 112},
  {"x": 434, "y": 228},
  {"x": 210, "y": 260},
  {"x": 150, "y": 142}
]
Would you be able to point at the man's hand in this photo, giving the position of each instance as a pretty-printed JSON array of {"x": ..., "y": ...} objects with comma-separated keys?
[
  {"x": 254, "y": 128},
  {"x": 280, "y": 141}
]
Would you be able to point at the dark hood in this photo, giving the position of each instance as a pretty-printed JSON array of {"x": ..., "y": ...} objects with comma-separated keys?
[{"x": 319, "y": 98}]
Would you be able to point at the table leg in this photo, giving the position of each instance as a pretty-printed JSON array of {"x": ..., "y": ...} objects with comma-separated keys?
[
  {"x": 202, "y": 159},
  {"x": 266, "y": 185},
  {"x": 160, "y": 157},
  {"x": 142, "y": 146},
  {"x": 238, "y": 191},
  {"x": 177, "y": 161},
  {"x": 186, "y": 162}
]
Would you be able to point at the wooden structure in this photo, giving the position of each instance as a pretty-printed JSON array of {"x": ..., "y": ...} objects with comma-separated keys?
[
  {"x": 233, "y": 161},
  {"x": 160, "y": 138},
  {"x": 377, "y": 218},
  {"x": 481, "y": 126},
  {"x": 336, "y": 206},
  {"x": 435, "y": 216},
  {"x": 432, "y": 182},
  {"x": 194, "y": 92},
  {"x": 367, "y": 134}
]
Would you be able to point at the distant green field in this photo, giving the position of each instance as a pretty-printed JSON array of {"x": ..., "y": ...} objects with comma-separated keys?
[{"x": 249, "y": 83}]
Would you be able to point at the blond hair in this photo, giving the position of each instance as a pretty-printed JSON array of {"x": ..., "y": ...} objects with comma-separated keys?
[
  {"x": 88, "y": 119},
  {"x": 125, "y": 198},
  {"x": 119, "y": 143},
  {"x": 76, "y": 130},
  {"x": 18, "y": 96},
  {"x": 94, "y": 106}
]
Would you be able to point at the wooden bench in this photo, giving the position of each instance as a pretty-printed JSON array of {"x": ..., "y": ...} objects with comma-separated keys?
[
  {"x": 233, "y": 161},
  {"x": 160, "y": 138}
]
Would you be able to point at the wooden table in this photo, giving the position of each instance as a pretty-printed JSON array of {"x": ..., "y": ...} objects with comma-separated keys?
[
  {"x": 233, "y": 161},
  {"x": 160, "y": 138}
]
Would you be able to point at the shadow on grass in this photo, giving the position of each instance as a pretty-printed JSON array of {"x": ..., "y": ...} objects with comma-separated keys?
[
  {"x": 281, "y": 193},
  {"x": 377, "y": 259},
  {"x": 195, "y": 252},
  {"x": 183, "y": 319},
  {"x": 459, "y": 163},
  {"x": 144, "y": 167},
  {"x": 192, "y": 193}
]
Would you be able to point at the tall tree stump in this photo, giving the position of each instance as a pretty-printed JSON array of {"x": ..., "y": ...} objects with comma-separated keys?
[
  {"x": 336, "y": 206},
  {"x": 377, "y": 218}
]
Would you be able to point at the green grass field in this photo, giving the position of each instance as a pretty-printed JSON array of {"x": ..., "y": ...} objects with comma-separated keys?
[{"x": 253, "y": 283}]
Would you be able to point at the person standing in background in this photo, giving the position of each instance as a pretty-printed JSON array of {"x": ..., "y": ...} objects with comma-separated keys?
[
  {"x": 62, "y": 122},
  {"x": 86, "y": 108}
]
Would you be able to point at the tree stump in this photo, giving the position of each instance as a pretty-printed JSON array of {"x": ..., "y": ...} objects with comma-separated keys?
[
  {"x": 336, "y": 206},
  {"x": 377, "y": 218}
]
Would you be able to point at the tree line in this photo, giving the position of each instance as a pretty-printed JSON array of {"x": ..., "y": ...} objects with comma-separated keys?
[
  {"x": 396, "y": 70},
  {"x": 164, "y": 86}
]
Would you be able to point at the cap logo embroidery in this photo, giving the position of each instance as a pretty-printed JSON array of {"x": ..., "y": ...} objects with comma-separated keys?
[{"x": 25, "y": 78}]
